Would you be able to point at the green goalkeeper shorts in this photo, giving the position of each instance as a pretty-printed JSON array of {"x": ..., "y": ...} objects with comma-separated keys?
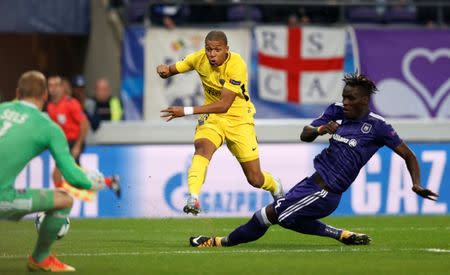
[{"x": 14, "y": 204}]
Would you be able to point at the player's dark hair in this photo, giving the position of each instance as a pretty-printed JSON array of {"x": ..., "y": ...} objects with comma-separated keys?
[
  {"x": 362, "y": 81},
  {"x": 216, "y": 35},
  {"x": 31, "y": 84}
]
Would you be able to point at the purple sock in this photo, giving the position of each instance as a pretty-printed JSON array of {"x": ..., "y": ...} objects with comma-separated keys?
[
  {"x": 254, "y": 229},
  {"x": 315, "y": 227}
]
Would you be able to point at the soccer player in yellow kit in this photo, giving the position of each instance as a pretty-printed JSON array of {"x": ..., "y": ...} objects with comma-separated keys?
[{"x": 227, "y": 115}]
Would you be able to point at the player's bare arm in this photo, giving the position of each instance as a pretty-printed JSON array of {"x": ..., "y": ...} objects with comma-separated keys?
[
  {"x": 310, "y": 133},
  {"x": 413, "y": 167},
  {"x": 221, "y": 106},
  {"x": 166, "y": 71},
  {"x": 84, "y": 128}
]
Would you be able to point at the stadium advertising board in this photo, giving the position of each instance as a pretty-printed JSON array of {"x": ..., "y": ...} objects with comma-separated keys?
[
  {"x": 154, "y": 180},
  {"x": 414, "y": 71},
  {"x": 164, "y": 46}
]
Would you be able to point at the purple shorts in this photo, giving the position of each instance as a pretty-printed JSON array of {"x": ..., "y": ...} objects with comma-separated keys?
[{"x": 306, "y": 200}]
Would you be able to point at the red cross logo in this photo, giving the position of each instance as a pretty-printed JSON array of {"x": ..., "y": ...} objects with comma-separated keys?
[{"x": 294, "y": 64}]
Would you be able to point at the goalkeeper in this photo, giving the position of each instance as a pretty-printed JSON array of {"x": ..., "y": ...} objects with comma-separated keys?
[{"x": 25, "y": 132}]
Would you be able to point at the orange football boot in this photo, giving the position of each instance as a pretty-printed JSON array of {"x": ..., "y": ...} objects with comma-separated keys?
[{"x": 49, "y": 264}]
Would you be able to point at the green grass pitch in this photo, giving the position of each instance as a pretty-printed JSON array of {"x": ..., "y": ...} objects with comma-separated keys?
[{"x": 401, "y": 245}]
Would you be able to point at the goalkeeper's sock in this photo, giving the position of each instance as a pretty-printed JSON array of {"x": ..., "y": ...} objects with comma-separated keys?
[
  {"x": 48, "y": 232},
  {"x": 197, "y": 174},
  {"x": 315, "y": 227},
  {"x": 254, "y": 229}
]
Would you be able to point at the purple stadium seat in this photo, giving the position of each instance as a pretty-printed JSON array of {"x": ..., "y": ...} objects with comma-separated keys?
[
  {"x": 243, "y": 13},
  {"x": 401, "y": 16},
  {"x": 135, "y": 10},
  {"x": 364, "y": 15}
]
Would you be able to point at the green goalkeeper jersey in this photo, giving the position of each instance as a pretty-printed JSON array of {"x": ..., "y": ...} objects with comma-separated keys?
[{"x": 25, "y": 132}]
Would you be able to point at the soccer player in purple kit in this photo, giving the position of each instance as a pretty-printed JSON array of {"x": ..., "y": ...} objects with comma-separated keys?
[{"x": 356, "y": 135}]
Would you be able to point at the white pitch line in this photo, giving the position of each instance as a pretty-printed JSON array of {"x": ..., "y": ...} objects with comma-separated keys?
[
  {"x": 198, "y": 251},
  {"x": 232, "y": 251},
  {"x": 437, "y": 250}
]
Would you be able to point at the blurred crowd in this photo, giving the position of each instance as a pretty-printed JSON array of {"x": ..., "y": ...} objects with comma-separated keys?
[
  {"x": 211, "y": 11},
  {"x": 103, "y": 106}
]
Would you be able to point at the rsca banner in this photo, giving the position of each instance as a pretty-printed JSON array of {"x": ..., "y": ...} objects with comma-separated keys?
[
  {"x": 409, "y": 66},
  {"x": 300, "y": 65},
  {"x": 154, "y": 181},
  {"x": 164, "y": 46}
]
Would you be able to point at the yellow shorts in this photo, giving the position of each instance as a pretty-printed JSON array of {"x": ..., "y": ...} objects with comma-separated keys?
[{"x": 240, "y": 138}]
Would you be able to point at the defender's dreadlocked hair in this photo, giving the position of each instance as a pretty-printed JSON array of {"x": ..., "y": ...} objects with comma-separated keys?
[{"x": 356, "y": 79}]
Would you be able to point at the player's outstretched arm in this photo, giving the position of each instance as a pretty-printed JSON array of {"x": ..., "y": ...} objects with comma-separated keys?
[
  {"x": 166, "y": 71},
  {"x": 413, "y": 167},
  {"x": 310, "y": 133},
  {"x": 59, "y": 150},
  {"x": 218, "y": 107}
]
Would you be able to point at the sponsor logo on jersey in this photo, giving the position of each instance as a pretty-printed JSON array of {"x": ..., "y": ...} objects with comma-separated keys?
[
  {"x": 351, "y": 142},
  {"x": 213, "y": 92}
]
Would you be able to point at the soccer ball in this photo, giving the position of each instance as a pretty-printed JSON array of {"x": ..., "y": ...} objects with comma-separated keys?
[{"x": 61, "y": 233}]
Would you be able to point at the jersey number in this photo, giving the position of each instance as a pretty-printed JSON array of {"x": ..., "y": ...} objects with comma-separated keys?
[{"x": 5, "y": 128}]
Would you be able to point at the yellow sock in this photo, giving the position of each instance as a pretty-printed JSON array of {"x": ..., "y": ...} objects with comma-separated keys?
[
  {"x": 269, "y": 183},
  {"x": 218, "y": 241},
  {"x": 197, "y": 174}
]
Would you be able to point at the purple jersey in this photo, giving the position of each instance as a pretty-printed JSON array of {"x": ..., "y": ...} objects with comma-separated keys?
[{"x": 353, "y": 144}]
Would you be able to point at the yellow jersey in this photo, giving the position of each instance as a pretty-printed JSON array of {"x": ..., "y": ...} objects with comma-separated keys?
[{"x": 231, "y": 75}]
